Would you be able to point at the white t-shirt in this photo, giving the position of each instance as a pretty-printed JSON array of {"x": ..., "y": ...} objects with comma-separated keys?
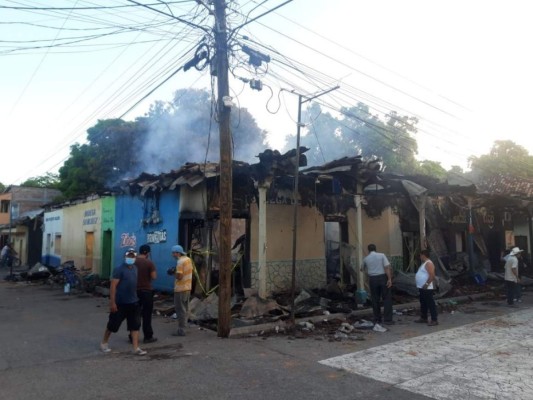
[{"x": 422, "y": 276}]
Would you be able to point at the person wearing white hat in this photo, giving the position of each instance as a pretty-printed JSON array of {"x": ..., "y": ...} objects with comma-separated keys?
[{"x": 511, "y": 275}]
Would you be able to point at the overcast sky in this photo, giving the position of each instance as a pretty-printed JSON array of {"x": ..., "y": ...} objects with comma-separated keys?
[{"x": 463, "y": 68}]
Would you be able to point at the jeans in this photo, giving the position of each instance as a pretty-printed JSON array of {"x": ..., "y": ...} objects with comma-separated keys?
[
  {"x": 181, "y": 305},
  {"x": 146, "y": 301},
  {"x": 512, "y": 291},
  {"x": 379, "y": 291},
  {"x": 427, "y": 302}
]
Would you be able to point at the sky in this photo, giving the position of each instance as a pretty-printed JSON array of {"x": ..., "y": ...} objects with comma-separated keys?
[{"x": 463, "y": 68}]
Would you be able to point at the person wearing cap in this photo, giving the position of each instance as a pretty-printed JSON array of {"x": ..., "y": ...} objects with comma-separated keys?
[
  {"x": 124, "y": 303},
  {"x": 146, "y": 273},
  {"x": 182, "y": 287},
  {"x": 511, "y": 275}
]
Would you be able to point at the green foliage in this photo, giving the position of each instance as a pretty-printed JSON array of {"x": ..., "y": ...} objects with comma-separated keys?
[
  {"x": 49, "y": 180},
  {"x": 2, "y": 187},
  {"x": 358, "y": 132},
  {"x": 504, "y": 158},
  {"x": 171, "y": 134},
  {"x": 433, "y": 169}
]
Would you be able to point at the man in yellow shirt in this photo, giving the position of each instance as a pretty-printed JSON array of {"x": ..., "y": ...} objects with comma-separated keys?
[{"x": 182, "y": 287}]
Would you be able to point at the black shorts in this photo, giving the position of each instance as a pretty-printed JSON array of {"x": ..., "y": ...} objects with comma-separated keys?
[{"x": 129, "y": 312}]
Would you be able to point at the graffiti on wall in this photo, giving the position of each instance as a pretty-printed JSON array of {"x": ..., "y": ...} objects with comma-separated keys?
[
  {"x": 159, "y": 236},
  {"x": 90, "y": 217},
  {"x": 127, "y": 240}
]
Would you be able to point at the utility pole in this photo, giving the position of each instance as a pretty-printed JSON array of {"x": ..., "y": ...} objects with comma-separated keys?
[
  {"x": 226, "y": 178},
  {"x": 301, "y": 101}
]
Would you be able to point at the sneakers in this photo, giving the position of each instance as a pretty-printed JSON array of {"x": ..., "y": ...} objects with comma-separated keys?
[
  {"x": 421, "y": 321},
  {"x": 104, "y": 348},
  {"x": 433, "y": 323},
  {"x": 179, "y": 332},
  {"x": 150, "y": 340},
  {"x": 139, "y": 352},
  {"x": 379, "y": 328}
]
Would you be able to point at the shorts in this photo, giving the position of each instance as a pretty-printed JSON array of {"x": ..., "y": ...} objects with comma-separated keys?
[{"x": 129, "y": 312}]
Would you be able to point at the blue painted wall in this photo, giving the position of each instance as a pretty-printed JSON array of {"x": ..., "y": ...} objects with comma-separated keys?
[{"x": 130, "y": 212}]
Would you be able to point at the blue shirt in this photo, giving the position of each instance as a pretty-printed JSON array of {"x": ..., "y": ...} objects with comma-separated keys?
[{"x": 127, "y": 285}]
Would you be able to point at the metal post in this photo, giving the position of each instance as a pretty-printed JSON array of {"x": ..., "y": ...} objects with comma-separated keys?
[
  {"x": 295, "y": 193},
  {"x": 295, "y": 209},
  {"x": 470, "y": 238}
]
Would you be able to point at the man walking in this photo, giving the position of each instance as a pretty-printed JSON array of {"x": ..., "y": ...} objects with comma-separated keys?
[
  {"x": 182, "y": 287},
  {"x": 124, "y": 303},
  {"x": 379, "y": 273},
  {"x": 146, "y": 273}
]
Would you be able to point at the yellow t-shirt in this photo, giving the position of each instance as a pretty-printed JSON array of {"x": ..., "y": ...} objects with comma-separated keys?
[{"x": 184, "y": 267}]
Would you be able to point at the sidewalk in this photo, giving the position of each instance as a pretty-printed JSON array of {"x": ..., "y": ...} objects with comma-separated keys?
[{"x": 487, "y": 359}]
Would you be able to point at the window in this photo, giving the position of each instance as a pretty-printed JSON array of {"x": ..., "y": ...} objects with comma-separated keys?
[{"x": 4, "y": 206}]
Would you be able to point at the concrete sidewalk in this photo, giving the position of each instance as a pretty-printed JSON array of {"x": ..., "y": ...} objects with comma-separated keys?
[{"x": 488, "y": 359}]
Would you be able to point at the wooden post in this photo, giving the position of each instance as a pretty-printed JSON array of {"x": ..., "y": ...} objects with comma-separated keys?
[{"x": 226, "y": 176}]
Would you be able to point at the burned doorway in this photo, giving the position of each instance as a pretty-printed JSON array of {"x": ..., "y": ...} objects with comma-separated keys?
[
  {"x": 201, "y": 239},
  {"x": 340, "y": 255}
]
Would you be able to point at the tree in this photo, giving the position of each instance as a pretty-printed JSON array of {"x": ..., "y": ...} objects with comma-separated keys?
[
  {"x": 358, "y": 132},
  {"x": 433, "y": 169},
  {"x": 107, "y": 157},
  {"x": 504, "y": 158},
  {"x": 168, "y": 136},
  {"x": 49, "y": 180},
  {"x": 2, "y": 187}
]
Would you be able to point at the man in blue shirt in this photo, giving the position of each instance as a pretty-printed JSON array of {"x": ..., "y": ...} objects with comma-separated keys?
[{"x": 124, "y": 303}]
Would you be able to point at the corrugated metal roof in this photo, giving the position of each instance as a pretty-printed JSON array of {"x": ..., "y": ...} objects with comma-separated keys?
[{"x": 507, "y": 186}]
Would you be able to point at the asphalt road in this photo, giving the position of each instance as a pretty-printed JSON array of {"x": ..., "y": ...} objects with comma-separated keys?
[{"x": 49, "y": 349}]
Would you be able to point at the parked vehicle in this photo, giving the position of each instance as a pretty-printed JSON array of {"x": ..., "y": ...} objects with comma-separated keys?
[{"x": 68, "y": 277}]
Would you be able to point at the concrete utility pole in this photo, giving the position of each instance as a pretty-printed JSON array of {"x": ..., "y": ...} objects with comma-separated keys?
[{"x": 226, "y": 178}]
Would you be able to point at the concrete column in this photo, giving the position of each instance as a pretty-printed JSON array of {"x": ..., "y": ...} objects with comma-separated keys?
[
  {"x": 262, "y": 241},
  {"x": 422, "y": 221},
  {"x": 361, "y": 294}
]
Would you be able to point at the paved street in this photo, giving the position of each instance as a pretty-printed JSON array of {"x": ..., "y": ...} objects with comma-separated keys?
[{"x": 49, "y": 350}]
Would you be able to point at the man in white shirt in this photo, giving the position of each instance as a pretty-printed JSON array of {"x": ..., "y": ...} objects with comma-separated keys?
[
  {"x": 379, "y": 272},
  {"x": 511, "y": 275}
]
